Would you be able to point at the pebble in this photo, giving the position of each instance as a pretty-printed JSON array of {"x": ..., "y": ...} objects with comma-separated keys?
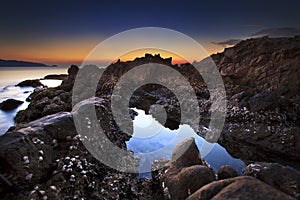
[{"x": 28, "y": 177}]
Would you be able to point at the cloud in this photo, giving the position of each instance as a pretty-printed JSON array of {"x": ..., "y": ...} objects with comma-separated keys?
[
  {"x": 277, "y": 32},
  {"x": 228, "y": 42}
]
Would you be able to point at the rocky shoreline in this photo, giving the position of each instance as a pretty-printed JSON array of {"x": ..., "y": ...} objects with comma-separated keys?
[{"x": 42, "y": 157}]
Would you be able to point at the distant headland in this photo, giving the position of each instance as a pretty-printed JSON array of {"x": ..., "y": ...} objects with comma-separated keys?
[{"x": 19, "y": 63}]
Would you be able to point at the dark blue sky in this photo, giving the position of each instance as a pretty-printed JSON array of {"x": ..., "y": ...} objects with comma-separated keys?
[{"x": 31, "y": 21}]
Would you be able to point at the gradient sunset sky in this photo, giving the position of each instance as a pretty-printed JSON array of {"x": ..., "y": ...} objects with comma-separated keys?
[{"x": 57, "y": 32}]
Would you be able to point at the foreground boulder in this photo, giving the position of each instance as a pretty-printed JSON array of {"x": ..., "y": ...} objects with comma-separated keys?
[
  {"x": 10, "y": 104},
  {"x": 226, "y": 171},
  {"x": 187, "y": 172},
  {"x": 283, "y": 178},
  {"x": 244, "y": 187},
  {"x": 46, "y": 159}
]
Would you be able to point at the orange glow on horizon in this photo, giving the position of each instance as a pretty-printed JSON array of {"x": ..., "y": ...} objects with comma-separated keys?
[{"x": 74, "y": 51}]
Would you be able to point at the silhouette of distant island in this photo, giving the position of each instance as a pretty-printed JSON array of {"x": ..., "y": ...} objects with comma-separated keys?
[{"x": 18, "y": 63}]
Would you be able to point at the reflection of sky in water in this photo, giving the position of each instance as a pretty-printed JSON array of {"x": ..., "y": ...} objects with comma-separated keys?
[
  {"x": 10, "y": 77},
  {"x": 152, "y": 141}
]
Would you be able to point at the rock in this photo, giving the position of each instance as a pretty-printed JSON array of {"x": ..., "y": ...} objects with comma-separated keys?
[
  {"x": 226, "y": 171},
  {"x": 45, "y": 102},
  {"x": 266, "y": 100},
  {"x": 284, "y": 178},
  {"x": 186, "y": 154},
  {"x": 56, "y": 76},
  {"x": 67, "y": 84},
  {"x": 32, "y": 83},
  {"x": 10, "y": 104},
  {"x": 243, "y": 187},
  {"x": 186, "y": 172}
]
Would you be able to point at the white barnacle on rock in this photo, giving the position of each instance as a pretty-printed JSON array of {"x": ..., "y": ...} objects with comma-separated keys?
[
  {"x": 54, "y": 141},
  {"x": 53, "y": 187},
  {"x": 41, "y": 158},
  {"x": 72, "y": 178},
  {"x": 41, "y": 152},
  {"x": 28, "y": 177},
  {"x": 68, "y": 170},
  {"x": 63, "y": 168},
  {"x": 67, "y": 158},
  {"x": 167, "y": 193},
  {"x": 42, "y": 192},
  {"x": 26, "y": 160}
]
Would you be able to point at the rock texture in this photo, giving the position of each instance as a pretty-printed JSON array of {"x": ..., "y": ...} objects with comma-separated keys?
[
  {"x": 238, "y": 188},
  {"x": 283, "y": 178},
  {"x": 32, "y": 83},
  {"x": 226, "y": 171},
  {"x": 10, "y": 104},
  {"x": 187, "y": 171},
  {"x": 46, "y": 159}
]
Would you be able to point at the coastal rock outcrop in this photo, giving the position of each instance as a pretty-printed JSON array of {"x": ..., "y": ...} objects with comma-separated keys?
[
  {"x": 46, "y": 158},
  {"x": 32, "y": 83},
  {"x": 10, "y": 104}
]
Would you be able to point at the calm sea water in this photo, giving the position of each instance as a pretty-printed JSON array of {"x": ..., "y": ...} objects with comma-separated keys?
[
  {"x": 162, "y": 141},
  {"x": 10, "y": 76}
]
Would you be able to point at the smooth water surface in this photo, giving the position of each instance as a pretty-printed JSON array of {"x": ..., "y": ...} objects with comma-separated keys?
[{"x": 161, "y": 141}]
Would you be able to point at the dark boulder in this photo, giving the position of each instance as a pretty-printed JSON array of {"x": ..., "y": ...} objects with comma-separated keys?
[
  {"x": 243, "y": 187},
  {"x": 266, "y": 100},
  {"x": 10, "y": 104},
  {"x": 187, "y": 172},
  {"x": 284, "y": 178},
  {"x": 226, "y": 171},
  {"x": 30, "y": 83}
]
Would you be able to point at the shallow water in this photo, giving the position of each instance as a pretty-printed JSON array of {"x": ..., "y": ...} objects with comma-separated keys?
[
  {"x": 9, "y": 77},
  {"x": 153, "y": 141}
]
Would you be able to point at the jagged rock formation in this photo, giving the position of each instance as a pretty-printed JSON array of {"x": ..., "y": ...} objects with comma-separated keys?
[{"x": 261, "y": 77}]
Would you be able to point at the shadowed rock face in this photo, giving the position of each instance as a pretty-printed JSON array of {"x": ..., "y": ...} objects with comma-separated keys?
[
  {"x": 187, "y": 171},
  {"x": 261, "y": 77},
  {"x": 46, "y": 157},
  {"x": 243, "y": 187},
  {"x": 283, "y": 178},
  {"x": 32, "y": 83},
  {"x": 226, "y": 171},
  {"x": 10, "y": 104}
]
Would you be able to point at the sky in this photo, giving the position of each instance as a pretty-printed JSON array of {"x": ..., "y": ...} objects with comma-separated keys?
[{"x": 64, "y": 32}]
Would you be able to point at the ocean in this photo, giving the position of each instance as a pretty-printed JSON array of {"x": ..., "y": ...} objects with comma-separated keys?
[{"x": 10, "y": 76}]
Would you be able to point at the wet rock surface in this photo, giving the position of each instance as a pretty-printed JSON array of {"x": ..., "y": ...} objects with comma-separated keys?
[
  {"x": 238, "y": 188},
  {"x": 47, "y": 159},
  {"x": 284, "y": 178},
  {"x": 226, "y": 171},
  {"x": 43, "y": 155},
  {"x": 10, "y": 104},
  {"x": 186, "y": 172}
]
